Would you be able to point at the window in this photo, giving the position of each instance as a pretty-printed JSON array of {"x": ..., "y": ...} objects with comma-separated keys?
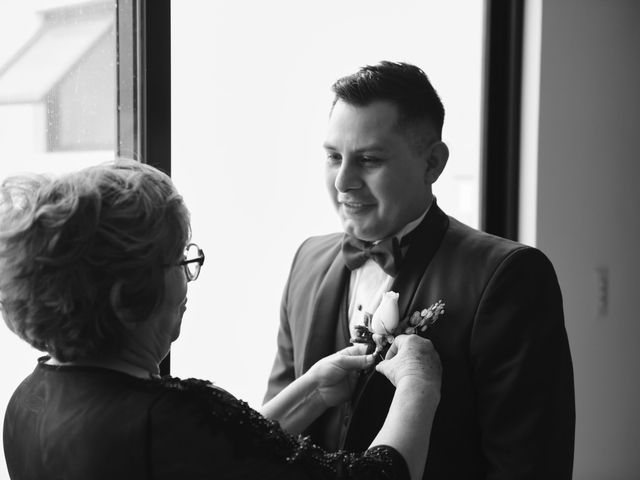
[
  {"x": 250, "y": 97},
  {"x": 65, "y": 74},
  {"x": 57, "y": 109}
]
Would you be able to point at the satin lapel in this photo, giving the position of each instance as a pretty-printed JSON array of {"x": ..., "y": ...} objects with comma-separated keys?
[
  {"x": 428, "y": 236},
  {"x": 325, "y": 313}
]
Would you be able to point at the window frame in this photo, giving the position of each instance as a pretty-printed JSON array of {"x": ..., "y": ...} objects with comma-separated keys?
[
  {"x": 144, "y": 81},
  {"x": 500, "y": 157},
  {"x": 144, "y": 87}
]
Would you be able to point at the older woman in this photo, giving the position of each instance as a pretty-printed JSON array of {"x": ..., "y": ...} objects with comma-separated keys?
[{"x": 94, "y": 271}]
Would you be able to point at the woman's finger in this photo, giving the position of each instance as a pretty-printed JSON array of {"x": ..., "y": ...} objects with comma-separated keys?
[
  {"x": 355, "y": 349},
  {"x": 393, "y": 350},
  {"x": 354, "y": 362}
]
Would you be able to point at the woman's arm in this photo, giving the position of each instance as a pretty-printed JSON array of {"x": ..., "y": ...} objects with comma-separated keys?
[
  {"x": 296, "y": 406},
  {"x": 413, "y": 366},
  {"x": 328, "y": 383}
]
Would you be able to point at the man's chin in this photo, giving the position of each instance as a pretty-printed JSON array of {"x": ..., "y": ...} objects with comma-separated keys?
[{"x": 359, "y": 232}]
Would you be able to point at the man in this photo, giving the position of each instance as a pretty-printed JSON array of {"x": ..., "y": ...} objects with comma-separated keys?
[{"x": 507, "y": 400}]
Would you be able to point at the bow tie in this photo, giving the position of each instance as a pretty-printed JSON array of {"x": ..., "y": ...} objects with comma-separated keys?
[{"x": 386, "y": 253}]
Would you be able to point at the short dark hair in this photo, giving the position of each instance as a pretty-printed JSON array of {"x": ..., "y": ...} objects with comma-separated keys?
[
  {"x": 66, "y": 241},
  {"x": 403, "y": 84}
]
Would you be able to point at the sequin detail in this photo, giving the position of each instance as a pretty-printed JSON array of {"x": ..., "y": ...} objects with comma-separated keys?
[{"x": 244, "y": 424}]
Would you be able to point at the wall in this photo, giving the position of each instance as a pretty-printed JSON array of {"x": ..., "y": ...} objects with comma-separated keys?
[{"x": 587, "y": 220}]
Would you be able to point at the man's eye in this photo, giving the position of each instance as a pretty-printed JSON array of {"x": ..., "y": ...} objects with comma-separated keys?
[
  {"x": 333, "y": 158},
  {"x": 370, "y": 161}
]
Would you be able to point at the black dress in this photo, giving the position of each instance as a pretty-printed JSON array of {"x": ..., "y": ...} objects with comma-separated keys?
[{"x": 80, "y": 423}]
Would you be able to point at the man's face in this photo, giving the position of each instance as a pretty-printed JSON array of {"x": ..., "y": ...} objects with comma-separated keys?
[{"x": 375, "y": 175}]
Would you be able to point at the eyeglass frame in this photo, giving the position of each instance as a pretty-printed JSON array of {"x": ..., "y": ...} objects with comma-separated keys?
[{"x": 199, "y": 260}]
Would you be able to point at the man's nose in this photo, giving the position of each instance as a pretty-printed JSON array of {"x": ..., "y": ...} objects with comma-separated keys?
[{"x": 348, "y": 177}]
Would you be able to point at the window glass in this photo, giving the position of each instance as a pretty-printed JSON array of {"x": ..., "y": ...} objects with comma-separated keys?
[
  {"x": 250, "y": 99},
  {"x": 57, "y": 109}
]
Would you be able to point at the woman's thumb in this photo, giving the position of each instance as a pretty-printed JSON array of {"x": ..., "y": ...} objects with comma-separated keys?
[{"x": 355, "y": 362}]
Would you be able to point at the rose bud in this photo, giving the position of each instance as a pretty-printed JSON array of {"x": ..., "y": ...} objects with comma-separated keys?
[{"x": 386, "y": 317}]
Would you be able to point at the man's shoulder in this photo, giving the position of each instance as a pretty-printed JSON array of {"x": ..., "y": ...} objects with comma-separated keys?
[
  {"x": 469, "y": 238},
  {"x": 320, "y": 245},
  {"x": 322, "y": 242},
  {"x": 317, "y": 253},
  {"x": 468, "y": 244}
]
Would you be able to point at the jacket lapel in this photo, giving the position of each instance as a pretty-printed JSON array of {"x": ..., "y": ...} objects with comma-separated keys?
[
  {"x": 368, "y": 416},
  {"x": 427, "y": 237},
  {"x": 325, "y": 316}
]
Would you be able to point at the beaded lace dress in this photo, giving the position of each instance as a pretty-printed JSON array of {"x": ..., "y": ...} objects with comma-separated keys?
[{"x": 88, "y": 422}]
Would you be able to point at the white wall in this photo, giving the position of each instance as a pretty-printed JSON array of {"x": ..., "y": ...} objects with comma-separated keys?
[{"x": 589, "y": 165}]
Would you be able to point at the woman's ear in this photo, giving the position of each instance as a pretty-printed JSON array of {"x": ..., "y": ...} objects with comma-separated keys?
[
  {"x": 115, "y": 298},
  {"x": 437, "y": 157}
]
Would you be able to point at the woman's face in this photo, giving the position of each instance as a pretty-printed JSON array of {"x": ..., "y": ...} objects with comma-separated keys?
[
  {"x": 168, "y": 316},
  {"x": 154, "y": 336}
]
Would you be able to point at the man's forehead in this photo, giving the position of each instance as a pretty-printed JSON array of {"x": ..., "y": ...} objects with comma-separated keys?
[{"x": 367, "y": 127}]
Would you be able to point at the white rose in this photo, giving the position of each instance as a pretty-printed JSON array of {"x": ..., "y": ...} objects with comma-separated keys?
[{"x": 386, "y": 317}]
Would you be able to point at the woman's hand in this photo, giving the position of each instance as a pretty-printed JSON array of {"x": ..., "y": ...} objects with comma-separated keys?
[
  {"x": 412, "y": 357},
  {"x": 336, "y": 375},
  {"x": 413, "y": 366},
  {"x": 328, "y": 383}
]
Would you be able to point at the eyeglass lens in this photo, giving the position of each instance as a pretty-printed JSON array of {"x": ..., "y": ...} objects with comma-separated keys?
[{"x": 192, "y": 268}]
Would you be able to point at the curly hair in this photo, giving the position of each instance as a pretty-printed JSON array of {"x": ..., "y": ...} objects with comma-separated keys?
[
  {"x": 403, "y": 84},
  {"x": 66, "y": 242}
]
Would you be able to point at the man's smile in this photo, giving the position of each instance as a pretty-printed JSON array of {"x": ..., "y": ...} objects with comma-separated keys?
[{"x": 356, "y": 207}]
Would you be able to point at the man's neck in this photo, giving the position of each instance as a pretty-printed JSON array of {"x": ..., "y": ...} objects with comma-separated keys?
[{"x": 409, "y": 227}]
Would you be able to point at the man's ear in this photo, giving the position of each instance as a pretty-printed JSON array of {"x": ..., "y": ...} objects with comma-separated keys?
[
  {"x": 115, "y": 298},
  {"x": 437, "y": 157}
]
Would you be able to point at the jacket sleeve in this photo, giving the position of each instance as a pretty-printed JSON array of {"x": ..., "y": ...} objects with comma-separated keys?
[
  {"x": 283, "y": 371},
  {"x": 522, "y": 372}
]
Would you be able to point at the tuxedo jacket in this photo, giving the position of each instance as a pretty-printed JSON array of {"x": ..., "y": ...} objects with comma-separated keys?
[{"x": 507, "y": 407}]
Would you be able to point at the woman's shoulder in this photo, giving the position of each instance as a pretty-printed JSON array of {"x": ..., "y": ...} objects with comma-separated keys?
[
  {"x": 190, "y": 386},
  {"x": 192, "y": 418},
  {"x": 210, "y": 404},
  {"x": 203, "y": 393},
  {"x": 200, "y": 404}
]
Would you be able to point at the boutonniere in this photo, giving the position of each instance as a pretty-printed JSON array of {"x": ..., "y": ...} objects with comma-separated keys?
[{"x": 379, "y": 329}]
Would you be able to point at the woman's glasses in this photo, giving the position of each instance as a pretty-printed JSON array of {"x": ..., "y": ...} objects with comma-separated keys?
[{"x": 193, "y": 261}]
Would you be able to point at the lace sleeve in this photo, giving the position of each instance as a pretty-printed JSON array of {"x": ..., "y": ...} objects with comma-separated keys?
[{"x": 298, "y": 456}]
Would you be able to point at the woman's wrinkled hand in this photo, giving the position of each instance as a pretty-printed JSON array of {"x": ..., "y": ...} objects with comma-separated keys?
[
  {"x": 412, "y": 358},
  {"x": 337, "y": 374}
]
